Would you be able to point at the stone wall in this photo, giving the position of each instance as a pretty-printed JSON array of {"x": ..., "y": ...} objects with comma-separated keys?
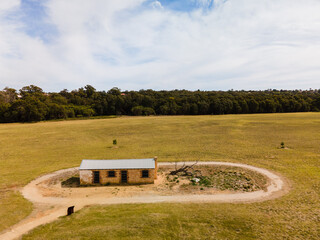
[
  {"x": 134, "y": 176},
  {"x": 86, "y": 177}
]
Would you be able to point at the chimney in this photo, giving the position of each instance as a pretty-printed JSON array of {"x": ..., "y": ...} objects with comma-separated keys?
[{"x": 155, "y": 167}]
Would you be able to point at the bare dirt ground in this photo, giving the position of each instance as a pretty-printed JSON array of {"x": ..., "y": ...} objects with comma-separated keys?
[
  {"x": 51, "y": 200},
  {"x": 67, "y": 185}
]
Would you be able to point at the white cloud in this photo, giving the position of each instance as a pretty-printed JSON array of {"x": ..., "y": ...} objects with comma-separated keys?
[
  {"x": 239, "y": 44},
  {"x": 156, "y": 4},
  {"x": 6, "y": 5},
  {"x": 205, "y": 3}
]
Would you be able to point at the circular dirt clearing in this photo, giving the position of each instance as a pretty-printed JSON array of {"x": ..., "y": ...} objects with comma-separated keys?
[{"x": 51, "y": 200}]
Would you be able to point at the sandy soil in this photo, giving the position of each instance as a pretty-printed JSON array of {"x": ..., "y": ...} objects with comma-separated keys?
[
  {"x": 52, "y": 187},
  {"x": 51, "y": 200}
]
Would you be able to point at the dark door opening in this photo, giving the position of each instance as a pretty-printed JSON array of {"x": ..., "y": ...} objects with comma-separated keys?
[
  {"x": 124, "y": 176},
  {"x": 96, "y": 177}
]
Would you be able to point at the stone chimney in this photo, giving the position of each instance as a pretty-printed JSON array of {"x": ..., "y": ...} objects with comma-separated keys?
[{"x": 155, "y": 167}]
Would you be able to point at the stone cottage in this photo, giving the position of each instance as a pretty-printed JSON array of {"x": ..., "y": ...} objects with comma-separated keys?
[{"x": 122, "y": 171}]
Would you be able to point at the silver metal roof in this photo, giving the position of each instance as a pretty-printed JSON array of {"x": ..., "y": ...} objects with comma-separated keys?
[{"x": 147, "y": 163}]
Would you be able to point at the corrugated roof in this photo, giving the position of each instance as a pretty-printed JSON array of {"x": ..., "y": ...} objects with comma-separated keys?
[{"x": 147, "y": 163}]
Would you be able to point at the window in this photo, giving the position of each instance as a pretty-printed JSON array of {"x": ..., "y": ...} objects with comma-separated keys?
[
  {"x": 145, "y": 173},
  {"x": 111, "y": 173}
]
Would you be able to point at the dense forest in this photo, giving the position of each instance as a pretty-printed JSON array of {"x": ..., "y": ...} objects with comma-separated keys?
[{"x": 31, "y": 103}]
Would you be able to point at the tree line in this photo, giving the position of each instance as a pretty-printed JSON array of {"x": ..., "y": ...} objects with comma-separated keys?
[{"x": 31, "y": 103}]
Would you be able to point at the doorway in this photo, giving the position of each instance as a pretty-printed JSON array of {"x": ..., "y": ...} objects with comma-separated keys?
[
  {"x": 124, "y": 176},
  {"x": 96, "y": 177}
]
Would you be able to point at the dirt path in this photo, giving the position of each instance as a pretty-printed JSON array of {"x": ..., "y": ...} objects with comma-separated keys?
[{"x": 48, "y": 209}]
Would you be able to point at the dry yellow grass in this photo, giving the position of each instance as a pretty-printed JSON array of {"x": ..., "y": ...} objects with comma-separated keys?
[{"x": 29, "y": 150}]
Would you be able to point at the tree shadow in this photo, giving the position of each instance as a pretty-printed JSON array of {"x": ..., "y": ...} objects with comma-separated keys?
[{"x": 73, "y": 182}]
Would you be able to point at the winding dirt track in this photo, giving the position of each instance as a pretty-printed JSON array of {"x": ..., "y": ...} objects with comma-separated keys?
[{"x": 58, "y": 205}]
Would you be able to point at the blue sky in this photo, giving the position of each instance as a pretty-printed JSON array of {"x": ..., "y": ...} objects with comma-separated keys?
[
  {"x": 184, "y": 6},
  {"x": 34, "y": 16},
  {"x": 160, "y": 44}
]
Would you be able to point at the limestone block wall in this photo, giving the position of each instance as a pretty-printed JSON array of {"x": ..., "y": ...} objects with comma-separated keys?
[
  {"x": 105, "y": 179},
  {"x": 156, "y": 167},
  {"x": 134, "y": 176},
  {"x": 86, "y": 177}
]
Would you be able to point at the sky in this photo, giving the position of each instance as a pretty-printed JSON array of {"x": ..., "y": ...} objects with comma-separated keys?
[{"x": 160, "y": 44}]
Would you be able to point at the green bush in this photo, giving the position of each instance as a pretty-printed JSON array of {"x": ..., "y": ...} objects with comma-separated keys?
[{"x": 205, "y": 181}]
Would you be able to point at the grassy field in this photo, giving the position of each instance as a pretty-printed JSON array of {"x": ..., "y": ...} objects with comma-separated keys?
[{"x": 29, "y": 150}]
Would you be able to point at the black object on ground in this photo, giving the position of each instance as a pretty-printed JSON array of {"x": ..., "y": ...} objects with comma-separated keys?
[{"x": 70, "y": 210}]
